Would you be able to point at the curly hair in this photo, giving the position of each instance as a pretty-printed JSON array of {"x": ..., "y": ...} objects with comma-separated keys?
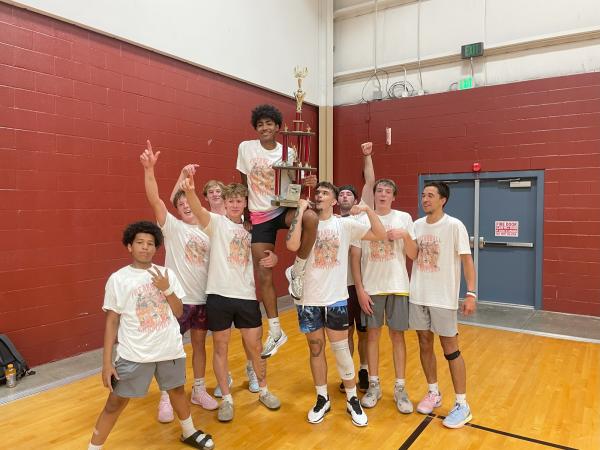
[
  {"x": 143, "y": 226},
  {"x": 266, "y": 112}
]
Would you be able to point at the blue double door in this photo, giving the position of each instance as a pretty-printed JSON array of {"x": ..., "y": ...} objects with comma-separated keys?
[{"x": 503, "y": 214}]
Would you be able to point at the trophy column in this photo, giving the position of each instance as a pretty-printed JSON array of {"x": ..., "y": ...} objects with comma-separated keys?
[{"x": 299, "y": 138}]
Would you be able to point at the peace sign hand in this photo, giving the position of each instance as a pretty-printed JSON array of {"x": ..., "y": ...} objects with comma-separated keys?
[{"x": 160, "y": 281}]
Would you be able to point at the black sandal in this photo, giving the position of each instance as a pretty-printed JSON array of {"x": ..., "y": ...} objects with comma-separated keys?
[{"x": 193, "y": 442}]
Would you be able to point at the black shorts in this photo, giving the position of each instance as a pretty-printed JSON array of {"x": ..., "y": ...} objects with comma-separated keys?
[
  {"x": 266, "y": 232},
  {"x": 223, "y": 311},
  {"x": 354, "y": 310}
]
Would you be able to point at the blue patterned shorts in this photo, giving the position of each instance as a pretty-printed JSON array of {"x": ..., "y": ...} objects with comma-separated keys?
[{"x": 313, "y": 318}]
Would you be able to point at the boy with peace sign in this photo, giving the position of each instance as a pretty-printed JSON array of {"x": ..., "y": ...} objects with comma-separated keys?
[{"x": 142, "y": 301}]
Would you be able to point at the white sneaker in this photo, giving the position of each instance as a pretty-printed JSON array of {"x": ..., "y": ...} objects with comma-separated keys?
[
  {"x": 317, "y": 412},
  {"x": 296, "y": 280},
  {"x": 359, "y": 418},
  {"x": 252, "y": 380},
  {"x": 403, "y": 403},
  {"x": 271, "y": 345},
  {"x": 372, "y": 396}
]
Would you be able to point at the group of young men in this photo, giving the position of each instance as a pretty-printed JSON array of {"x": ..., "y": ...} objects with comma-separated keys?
[{"x": 349, "y": 273}]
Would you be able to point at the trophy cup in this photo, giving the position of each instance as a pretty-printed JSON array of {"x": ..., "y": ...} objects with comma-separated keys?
[{"x": 299, "y": 139}]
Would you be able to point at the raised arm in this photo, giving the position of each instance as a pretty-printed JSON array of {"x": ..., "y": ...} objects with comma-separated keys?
[
  {"x": 201, "y": 213},
  {"x": 377, "y": 231},
  {"x": 190, "y": 169},
  {"x": 148, "y": 160},
  {"x": 292, "y": 241},
  {"x": 369, "y": 173}
]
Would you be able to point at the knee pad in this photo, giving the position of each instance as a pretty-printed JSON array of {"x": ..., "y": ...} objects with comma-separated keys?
[
  {"x": 343, "y": 359},
  {"x": 452, "y": 356}
]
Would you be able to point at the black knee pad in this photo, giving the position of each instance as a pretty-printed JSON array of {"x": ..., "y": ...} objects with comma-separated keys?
[{"x": 452, "y": 356}]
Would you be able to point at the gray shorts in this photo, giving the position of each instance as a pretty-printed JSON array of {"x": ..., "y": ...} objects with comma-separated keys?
[
  {"x": 134, "y": 378},
  {"x": 441, "y": 321},
  {"x": 395, "y": 308}
]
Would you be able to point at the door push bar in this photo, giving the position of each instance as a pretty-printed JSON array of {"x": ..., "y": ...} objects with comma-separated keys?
[{"x": 483, "y": 243}]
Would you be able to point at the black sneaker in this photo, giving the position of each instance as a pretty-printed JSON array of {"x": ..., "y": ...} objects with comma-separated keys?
[
  {"x": 363, "y": 380},
  {"x": 359, "y": 418},
  {"x": 342, "y": 388},
  {"x": 317, "y": 412}
]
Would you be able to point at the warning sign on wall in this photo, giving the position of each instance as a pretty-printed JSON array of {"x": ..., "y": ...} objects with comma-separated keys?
[{"x": 508, "y": 228}]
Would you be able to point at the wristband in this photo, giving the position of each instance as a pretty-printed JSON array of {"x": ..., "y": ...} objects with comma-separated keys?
[
  {"x": 168, "y": 291},
  {"x": 471, "y": 294}
]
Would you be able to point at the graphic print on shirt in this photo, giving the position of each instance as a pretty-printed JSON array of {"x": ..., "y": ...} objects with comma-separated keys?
[
  {"x": 381, "y": 251},
  {"x": 326, "y": 249},
  {"x": 195, "y": 250},
  {"x": 262, "y": 177},
  {"x": 151, "y": 308},
  {"x": 429, "y": 253},
  {"x": 239, "y": 248}
]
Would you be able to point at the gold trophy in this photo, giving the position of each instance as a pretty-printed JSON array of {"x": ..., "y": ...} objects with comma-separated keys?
[{"x": 299, "y": 138}]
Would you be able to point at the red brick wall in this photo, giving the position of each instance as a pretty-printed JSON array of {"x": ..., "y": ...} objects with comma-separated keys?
[
  {"x": 75, "y": 111},
  {"x": 551, "y": 124}
]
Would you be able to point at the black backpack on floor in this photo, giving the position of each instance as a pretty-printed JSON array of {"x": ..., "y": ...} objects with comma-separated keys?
[{"x": 10, "y": 355}]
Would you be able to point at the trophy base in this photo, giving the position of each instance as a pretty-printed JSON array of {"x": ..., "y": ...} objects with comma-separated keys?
[{"x": 286, "y": 203}]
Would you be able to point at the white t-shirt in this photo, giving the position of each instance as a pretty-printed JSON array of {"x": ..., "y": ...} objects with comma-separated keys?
[
  {"x": 350, "y": 277},
  {"x": 230, "y": 272},
  {"x": 383, "y": 263},
  {"x": 148, "y": 329},
  {"x": 187, "y": 248},
  {"x": 327, "y": 266},
  {"x": 254, "y": 161},
  {"x": 435, "y": 279}
]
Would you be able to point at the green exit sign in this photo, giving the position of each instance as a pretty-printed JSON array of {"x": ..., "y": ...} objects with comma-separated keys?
[
  {"x": 465, "y": 83},
  {"x": 471, "y": 50}
]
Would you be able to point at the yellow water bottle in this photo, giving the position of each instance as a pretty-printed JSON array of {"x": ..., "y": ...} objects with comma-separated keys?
[{"x": 11, "y": 376}]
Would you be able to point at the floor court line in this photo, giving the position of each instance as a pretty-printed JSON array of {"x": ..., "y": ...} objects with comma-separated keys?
[{"x": 427, "y": 420}]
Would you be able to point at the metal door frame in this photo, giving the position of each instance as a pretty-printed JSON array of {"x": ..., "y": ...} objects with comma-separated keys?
[{"x": 539, "y": 215}]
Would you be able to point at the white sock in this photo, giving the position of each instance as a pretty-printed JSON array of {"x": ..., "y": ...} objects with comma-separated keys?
[
  {"x": 275, "y": 327},
  {"x": 364, "y": 366},
  {"x": 263, "y": 390},
  {"x": 249, "y": 365},
  {"x": 461, "y": 399},
  {"x": 228, "y": 398},
  {"x": 374, "y": 378},
  {"x": 187, "y": 427},
  {"x": 95, "y": 447},
  {"x": 200, "y": 383},
  {"x": 164, "y": 395},
  {"x": 400, "y": 382},
  {"x": 322, "y": 390},
  {"x": 350, "y": 392},
  {"x": 298, "y": 266},
  {"x": 433, "y": 387}
]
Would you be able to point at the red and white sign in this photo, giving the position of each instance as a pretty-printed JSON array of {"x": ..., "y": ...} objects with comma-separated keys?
[{"x": 508, "y": 228}]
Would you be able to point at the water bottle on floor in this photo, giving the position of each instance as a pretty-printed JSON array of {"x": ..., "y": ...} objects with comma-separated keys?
[{"x": 11, "y": 376}]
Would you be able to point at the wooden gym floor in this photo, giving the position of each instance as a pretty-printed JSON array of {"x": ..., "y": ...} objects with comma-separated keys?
[{"x": 525, "y": 391}]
